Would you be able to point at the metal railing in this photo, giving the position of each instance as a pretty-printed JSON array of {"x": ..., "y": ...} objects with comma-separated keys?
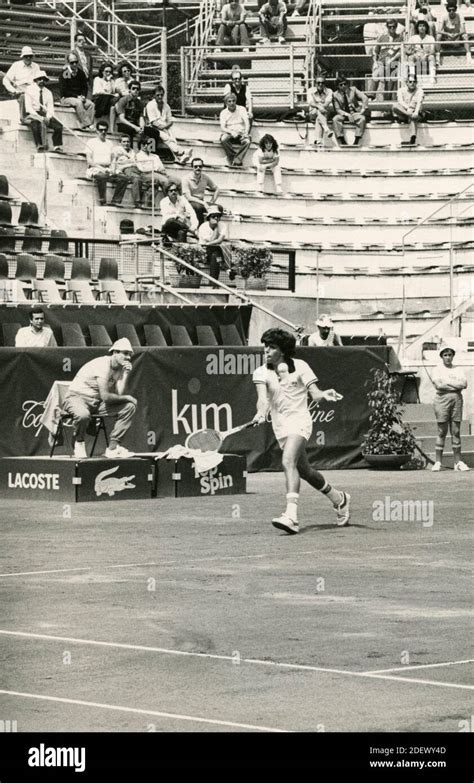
[
  {"x": 143, "y": 45},
  {"x": 312, "y": 32}
]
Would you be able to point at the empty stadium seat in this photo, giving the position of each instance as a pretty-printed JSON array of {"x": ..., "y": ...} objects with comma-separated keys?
[
  {"x": 99, "y": 335},
  {"x": 4, "y": 187},
  {"x": 108, "y": 269},
  {"x": 26, "y": 273},
  {"x": 80, "y": 292},
  {"x": 9, "y": 333},
  {"x": 32, "y": 240},
  {"x": 3, "y": 266},
  {"x": 58, "y": 242},
  {"x": 5, "y": 213},
  {"x": 180, "y": 336},
  {"x": 230, "y": 335},
  {"x": 205, "y": 335},
  {"x": 128, "y": 331},
  {"x": 113, "y": 292},
  {"x": 72, "y": 335},
  {"x": 28, "y": 214},
  {"x": 7, "y": 240},
  {"x": 154, "y": 335},
  {"x": 80, "y": 269}
]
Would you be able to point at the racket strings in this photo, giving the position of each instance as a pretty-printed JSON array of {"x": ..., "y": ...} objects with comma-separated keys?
[{"x": 205, "y": 440}]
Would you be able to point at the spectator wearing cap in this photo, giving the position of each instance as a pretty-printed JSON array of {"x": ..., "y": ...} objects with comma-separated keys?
[
  {"x": 235, "y": 127},
  {"x": 386, "y": 64},
  {"x": 349, "y": 105},
  {"x": 236, "y": 86},
  {"x": 449, "y": 381},
  {"x": 158, "y": 124},
  {"x": 178, "y": 216},
  {"x": 267, "y": 159},
  {"x": 20, "y": 75},
  {"x": 320, "y": 109},
  {"x": 452, "y": 31},
  {"x": 83, "y": 56},
  {"x": 39, "y": 114},
  {"x": 421, "y": 50},
  {"x": 212, "y": 237},
  {"x": 99, "y": 389},
  {"x": 195, "y": 188},
  {"x": 325, "y": 336},
  {"x": 130, "y": 111},
  {"x": 232, "y": 29},
  {"x": 73, "y": 89},
  {"x": 409, "y": 103}
]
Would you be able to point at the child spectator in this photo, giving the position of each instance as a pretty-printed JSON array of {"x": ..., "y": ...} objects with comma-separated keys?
[{"x": 267, "y": 159}]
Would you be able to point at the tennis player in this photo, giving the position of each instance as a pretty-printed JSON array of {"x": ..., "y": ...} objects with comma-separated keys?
[
  {"x": 283, "y": 384},
  {"x": 449, "y": 381}
]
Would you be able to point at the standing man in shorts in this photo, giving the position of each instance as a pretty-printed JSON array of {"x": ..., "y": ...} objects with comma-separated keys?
[
  {"x": 283, "y": 384},
  {"x": 448, "y": 382}
]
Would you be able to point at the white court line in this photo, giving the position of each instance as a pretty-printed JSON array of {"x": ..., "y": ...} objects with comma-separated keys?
[
  {"x": 213, "y": 656},
  {"x": 346, "y": 553},
  {"x": 136, "y": 711},
  {"x": 419, "y": 666}
]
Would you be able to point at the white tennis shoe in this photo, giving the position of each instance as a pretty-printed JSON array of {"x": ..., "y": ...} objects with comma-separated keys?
[
  {"x": 461, "y": 466},
  {"x": 286, "y": 523},
  {"x": 120, "y": 452},
  {"x": 437, "y": 467},
  {"x": 343, "y": 510}
]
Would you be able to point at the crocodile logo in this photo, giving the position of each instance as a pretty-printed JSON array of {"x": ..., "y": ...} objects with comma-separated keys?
[{"x": 106, "y": 484}]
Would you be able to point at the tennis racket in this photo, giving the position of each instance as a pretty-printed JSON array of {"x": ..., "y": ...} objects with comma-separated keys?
[{"x": 211, "y": 440}]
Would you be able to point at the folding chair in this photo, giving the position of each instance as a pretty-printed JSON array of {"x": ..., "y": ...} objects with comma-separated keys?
[{"x": 97, "y": 425}]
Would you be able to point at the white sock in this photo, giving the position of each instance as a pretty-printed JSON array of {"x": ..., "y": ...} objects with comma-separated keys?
[
  {"x": 335, "y": 495},
  {"x": 292, "y": 505}
]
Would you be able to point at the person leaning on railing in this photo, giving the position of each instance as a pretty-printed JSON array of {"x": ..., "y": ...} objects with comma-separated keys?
[{"x": 73, "y": 88}]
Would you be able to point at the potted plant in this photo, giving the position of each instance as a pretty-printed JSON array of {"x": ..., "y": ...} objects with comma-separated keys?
[
  {"x": 193, "y": 254},
  {"x": 389, "y": 443},
  {"x": 251, "y": 264}
]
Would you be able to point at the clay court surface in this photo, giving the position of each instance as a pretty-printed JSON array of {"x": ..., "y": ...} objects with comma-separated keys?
[{"x": 180, "y": 615}]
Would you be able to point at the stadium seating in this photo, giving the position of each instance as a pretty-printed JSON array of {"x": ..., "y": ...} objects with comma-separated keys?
[
  {"x": 154, "y": 336},
  {"x": 206, "y": 336},
  {"x": 128, "y": 331},
  {"x": 26, "y": 273},
  {"x": 180, "y": 336},
  {"x": 72, "y": 335},
  {"x": 9, "y": 333},
  {"x": 99, "y": 335}
]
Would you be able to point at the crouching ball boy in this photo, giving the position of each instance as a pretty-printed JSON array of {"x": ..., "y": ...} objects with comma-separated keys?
[{"x": 283, "y": 384}]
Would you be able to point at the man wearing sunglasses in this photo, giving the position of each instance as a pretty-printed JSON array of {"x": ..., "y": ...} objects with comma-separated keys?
[
  {"x": 129, "y": 111},
  {"x": 21, "y": 75},
  {"x": 320, "y": 109},
  {"x": 195, "y": 188},
  {"x": 73, "y": 88},
  {"x": 408, "y": 105}
]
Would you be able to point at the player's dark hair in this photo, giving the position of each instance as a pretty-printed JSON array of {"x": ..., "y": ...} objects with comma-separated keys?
[
  {"x": 284, "y": 341},
  {"x": 35, "y": 311}
]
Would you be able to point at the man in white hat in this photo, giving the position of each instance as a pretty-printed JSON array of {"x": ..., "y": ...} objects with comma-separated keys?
[
  {"x": 39, "y": 110},
  {"x": 325, "y": 335},
  {"x": 212, "y": 237},
  {"x": 20, "y": 75},
  {"x": 449, "y": 382},
  {"x": 98, "y": 388}
]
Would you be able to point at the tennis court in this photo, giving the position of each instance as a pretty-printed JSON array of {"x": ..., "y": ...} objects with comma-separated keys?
[{"x": 195, "y": 615}]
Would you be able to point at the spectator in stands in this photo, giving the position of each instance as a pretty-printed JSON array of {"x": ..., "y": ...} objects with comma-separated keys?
[
  {"x": 273, "y": 21},
  {"x": 179, "y": 218},
  {"x": 98, "y": 388},
  {"x": 39, "y": 111},
  {"x": 100, "y": 166},
  {"x": 320, "y": 109},
  {"x": 124, "y": 79},
  {"x": 386, "y": 64},
  {"x": 104, "y": 93},
  {"x": 124, "y": 165},
  {"x": 84, "y": 58},
  {"x": 241, "y": 90},
  {"x": 421, "y": 50},
  {"x": 325, "y": 335},
  {"x": 452, "y": 29},
  {"x": 300, "y": 6},
  {"x": 233, "y": 30},
  {"x": 235, "y": 127},
  {"x": 20, "y": 75},
  {"x": 158, "y": 121},
  {"x": 423, "y": 11},
  {"x": 36, "y": 335},
  {"x": 152, "y": 171},
  {"x": 195, "y": 187},
  {"x": 408, "y": 105},
  {"x": 372, "y": 31},
  {"x": 267, "y": 159},
  {"x": 349, "y": 105},
  {"x": 449, "y": 382},
  {"x": 73, "y": 89},
  {"x": 213, "y": 237},
  {"x": 130, "y": 111}
]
